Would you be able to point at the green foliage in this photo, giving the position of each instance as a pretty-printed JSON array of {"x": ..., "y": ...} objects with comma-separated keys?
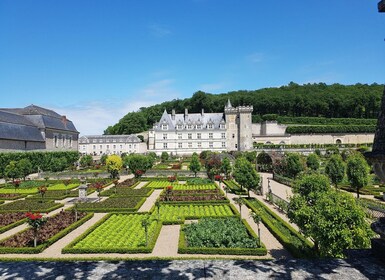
[
  {"x": 291, "y": 239},
  {"x": 175, "y": 186},
  {"x": 127, "y": 192},
  {"x": 113, "y": 204},
  {"x": 114, "y": 163},
  {"x": 246, "y": 175},
  {"x": 12, "y": 170},
  {"x": 198, "y": 181},
  {"x": 292, "y": 165},
  {"x": 226, "y": 167},
  {"x": 30, "y": 206},
  {"x": 40, "y": 160},
  {"x": 309, "y": 129},
  {"x": 313, "y": 162},
  {"x": 325, "y": 121},
  {"x": 86, "y": 161},
  {"x": 357, "y": 171},
  {"x": 264, "y": 161},
  {"x": 25, "y": 167},
  {"x": 58, "y": 164},
  {"x": 195, "y": 164},
  {"x": 219, "y": 233},
  {"x": 234, "y": 187},
  {"x": 311, "y": 100},
  {"x": 335, "y": 169},
  {"x": 310, "y": 186},
  {"x": 136, "y": 162},
  {"x": 164, "y": 156},
  {"x": 270, "y": 117},
  {"x": 103, "y": 159}
]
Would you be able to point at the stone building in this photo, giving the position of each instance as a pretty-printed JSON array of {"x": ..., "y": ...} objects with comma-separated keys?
[
  {"x": 180, "y": 134},
  {"x": 97, "y": 145},
  {"x": 36, "y": 128}
]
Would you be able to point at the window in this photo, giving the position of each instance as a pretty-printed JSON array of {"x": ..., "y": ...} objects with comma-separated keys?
[
  {"x": 121, "y": 146},
  {"x": 164, "y": 136},
  {"x": 114, "y": 147},
  {"x": 199, "y": 126},
  {"x": 211, "y": 145},
  {"x": 84, "y": 147},
  {"x": 233, "y": 135},
  {"x": 199, "y": 135},
  {"x": 189, "y": 126},
  {"x": 94, "y": 141},
  {"x": 164, "y": 126},
  {"x": 210, "y": 126},
  {"x": 189, "y": 136},
  {"x": 223, "y": 134},
  {"x": 236, "y": 146},
  {"x": 210, "y": 135},
  {"x": 223, "y": 144},
  {"x": 94, "y": 147},
  {"x": 179, "y": 126},
  {"x": 190, "y": 145},
  {"x": 179, "y": 135},
  {"x": 55, "y": 140},
  {"x": 71, "y": 141},
  {"x": 129, "y": 146},
  {"x": 64, "y": 141},
  {"x": 164, "y": 145},
  {"x": 180, "y": 145},
  {"x": 222, "y": 126},
  {"x": 101, "y": 147},
  {"x": 199, "y": 145}
]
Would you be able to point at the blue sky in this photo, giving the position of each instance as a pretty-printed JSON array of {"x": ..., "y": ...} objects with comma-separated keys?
[{"x": 94, "y": 61}]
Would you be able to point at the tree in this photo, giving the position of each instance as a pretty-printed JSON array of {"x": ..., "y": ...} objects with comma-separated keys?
[
  {"x": 164, "y": 156},
  {"x": 226, "y": 167},
  {"x": 25, "y": 167},
  {"x": 35, "y": 221},
  {"x": 292, "y": 165},
  {"x": 103, "y": 159},
  {"x": 42, "y": 190},
  {"x": 357, "y": 171},
  {"x": 12, "y": 170},
  {"x": 86, "y": 161},
  {"x": 239, "y": 201},
  {"x": 145, "y": 224},
  {"x": 256, "y": 216},
  {"x": 246, "y": 175},
  {"x": 334, "y": 221},
  {"x": 58, "y": 164},
  {"x": 309, "y": 186},
  {"x": 313, "y": 162},
  {"x": 213, "y": 165},
  {"x": 195, "y": 165},
  {"x": 138, "y": 164},
  {"x": 335, "y": 169},
  {"x": 114, "y": 164}
]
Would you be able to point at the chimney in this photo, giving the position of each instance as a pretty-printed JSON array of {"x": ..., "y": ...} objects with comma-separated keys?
[
  {"x": 173, "y": 114},
  {"x": 203, "y": 112}
]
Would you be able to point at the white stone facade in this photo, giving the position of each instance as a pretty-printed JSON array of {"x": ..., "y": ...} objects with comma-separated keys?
[{"x": 111, "y": 144}]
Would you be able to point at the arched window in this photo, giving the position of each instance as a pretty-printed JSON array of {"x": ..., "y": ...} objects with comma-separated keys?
[{"x": 338, "y": 141}]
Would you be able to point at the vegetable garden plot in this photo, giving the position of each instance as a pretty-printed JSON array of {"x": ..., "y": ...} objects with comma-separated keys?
[
  {"x": 120, "y": 191},
  {"x": 30, "y": 205},
  {"x": 117, "y": 233},
  {"x": 10, "y": 220},
  {"x": 164, "y": 184},
  {"x": 114, "y": 204}
]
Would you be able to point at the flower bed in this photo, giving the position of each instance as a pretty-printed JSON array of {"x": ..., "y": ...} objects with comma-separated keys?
[
  {"x": 176, "y": 214},
  {"x": 128, "y": 183},
  {"x": 165, "y": 184},
  {"x": 291, "y": 239},
  {"x": 97, "y": 182},
  {"x": 114, "y": 204},
  {"x": 127, "y": 192},
  {"x": 54, "y": 229},
  {"x": 11, "y": 196},
  {"x": 10, "y": 220},
  {"x": 30, "y": 205},
  {"x": 117, "y": 233},
  {"x": 228, "y": 236}
]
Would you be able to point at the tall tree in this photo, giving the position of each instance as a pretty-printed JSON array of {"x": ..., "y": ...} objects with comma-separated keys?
[
  {"x": 335, "y": 169},
  {"x": 226, "y": 167},
  {"x": 138, "y": 164},
  {"x": 12, "y": 170},
  {"x": 357, "y": 171},
  {"x": 312, "y": 162},
  {"x": 195, "y": 165},
  {"x": 292, "y": 164},
  {"x": 246, "y": 175},
  {"x": 25, "y": 167}
]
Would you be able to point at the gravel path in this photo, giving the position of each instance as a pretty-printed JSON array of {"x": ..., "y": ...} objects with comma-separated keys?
[{"x": 150, "y": 201}]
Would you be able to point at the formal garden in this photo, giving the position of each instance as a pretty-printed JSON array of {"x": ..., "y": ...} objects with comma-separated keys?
[{"x": 231, "y": 213}]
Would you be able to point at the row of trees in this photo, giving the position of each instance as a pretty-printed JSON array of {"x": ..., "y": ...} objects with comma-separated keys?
[{"x": 310, "y": 100}]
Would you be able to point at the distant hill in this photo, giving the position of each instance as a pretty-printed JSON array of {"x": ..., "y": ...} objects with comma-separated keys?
[{"x": 310, "y": 100}]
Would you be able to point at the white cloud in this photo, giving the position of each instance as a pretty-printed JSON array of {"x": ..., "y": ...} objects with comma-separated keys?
[
  {"x": 96, "y": 115},
  {"x": 255, "y": 57},
  {"x": 158, "y": 30}
]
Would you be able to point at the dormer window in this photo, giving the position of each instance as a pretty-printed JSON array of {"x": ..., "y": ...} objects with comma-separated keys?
[
  {"x": 179, "y": 126},
  {"x": 222, "y": 126},
  {"x": 189, "y": 126},
  {"x": 210, "y": 126},
  {"x": 164, "y": 126},
  {"x": 199, "y": 126}
]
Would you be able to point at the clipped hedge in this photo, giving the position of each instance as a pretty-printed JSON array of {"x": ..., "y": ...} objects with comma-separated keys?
[
  {"x": 30, "y": 205},
  {"x": 314, "y": 129},
  {"x": 234, "y": 187},
  {"x": 325, "y": 121},
  {"x": 40, "y": 248},
  {"x": 113, "y": 204},
  {"x": 302, "y": 248},
  {"x": 283, "y": 180},
  {"x": 122, "y": 192},
  {"x": 13, "y": 225}
]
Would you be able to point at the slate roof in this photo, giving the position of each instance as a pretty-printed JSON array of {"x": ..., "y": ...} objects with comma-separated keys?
[
  {"x": 195, "y": 118},
  {"x": 132, "y": 138},
  {"x": 16, "y": 127}
]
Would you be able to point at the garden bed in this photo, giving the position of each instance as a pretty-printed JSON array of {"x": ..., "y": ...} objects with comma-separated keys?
[
  {"x": 224, "y": 236},
  {"x": 127, "y": 192},
  {"x": 59, "y": 194},
  {"x": 178, "y": 213},
  {"x": 114, "y": 204},
  {"x": 290, "y": 238},
  {"x": 11, "y": 220},
  {"x": 234, "y": 187},
  {"x": 175, "y": 186},
  {"x": 30, "y": 205},
  {"x": 11, "y": 196},
  {"x": 193, "y": 197},
  {"x": 117, "y": 233},
  {"x": 55, "y": 228}
]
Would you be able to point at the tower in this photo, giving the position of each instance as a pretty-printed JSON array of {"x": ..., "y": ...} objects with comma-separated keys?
[{"x": 231, "y": 127}]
